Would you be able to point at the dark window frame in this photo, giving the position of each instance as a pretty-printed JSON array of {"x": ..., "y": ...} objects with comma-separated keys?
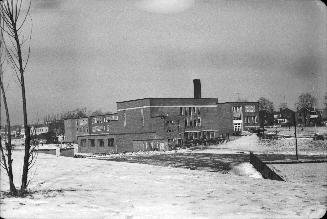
[
  {"x": 92, "y": 142},
  {"x": 111, "y": 142}
]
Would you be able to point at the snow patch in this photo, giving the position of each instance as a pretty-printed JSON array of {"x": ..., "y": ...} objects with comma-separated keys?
[{"x": 246, "y": 169}]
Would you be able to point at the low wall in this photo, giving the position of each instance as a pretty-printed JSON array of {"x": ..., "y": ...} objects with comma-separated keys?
[
  {"x": 265, "y": 171},
  {"x": 47, "y": 151},
  {"x": 66, "y": 152}
]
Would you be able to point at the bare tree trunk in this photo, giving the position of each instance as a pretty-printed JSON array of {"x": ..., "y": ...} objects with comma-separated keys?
[
  {"x": 7, "y": 163},
  {"x": 13, "y": 189},
  {"x": 13, "y": 22},
  {"x": 27, "y": 129}
]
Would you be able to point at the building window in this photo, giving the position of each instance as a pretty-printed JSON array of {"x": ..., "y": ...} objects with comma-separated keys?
[
  {"x": 250, "y": 108},
  {"x": 92, "y": 143},
  {"x": 110, "y": 142},
  {"x": 237, "y": 127},
  {"x": 190, "y": 110},
  {"x": 237, "y": 108},
  {"x": 101, "y": 142},
  {"x": 199, "y": 121},
  {"x": 124, "y": 118},
  {"x": 108, "y": 128},
  {"x": 83, "y": 142},
  {"x": 142, "y": 114},
  {"x": 181, "y": 111}
]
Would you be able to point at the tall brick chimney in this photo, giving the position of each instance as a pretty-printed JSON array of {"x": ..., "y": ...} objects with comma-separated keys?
[{"x": 197, "y": 88}]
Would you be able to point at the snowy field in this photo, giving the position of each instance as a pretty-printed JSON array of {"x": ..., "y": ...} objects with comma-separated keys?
[
  {"x": 300, "y": 131},
  {"x": 306, "y": 146},
  {"x": 65, "y": 187}
]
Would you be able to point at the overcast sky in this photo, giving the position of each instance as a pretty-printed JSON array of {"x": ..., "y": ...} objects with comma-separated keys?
[{"x": 92, "y": 53}]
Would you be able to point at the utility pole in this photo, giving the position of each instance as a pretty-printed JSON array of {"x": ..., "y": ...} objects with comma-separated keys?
[{"x": 294, "y": 119}]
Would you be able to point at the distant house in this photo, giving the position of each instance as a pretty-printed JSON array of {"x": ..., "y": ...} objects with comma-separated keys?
[
  {"x": 323, "y": 113},
  {"x": 308, "y": 117},
  {"x": 15, "y": 131},
  {"x": 57, "y": 127},
  {"x": 39, "y": 129},
  {"x": 266, "y": 118},
  {"x": 284, "y": 117}
]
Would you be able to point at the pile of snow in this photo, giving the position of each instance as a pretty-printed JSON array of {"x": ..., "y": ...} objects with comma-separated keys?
[{"x": 246, "y": 169}]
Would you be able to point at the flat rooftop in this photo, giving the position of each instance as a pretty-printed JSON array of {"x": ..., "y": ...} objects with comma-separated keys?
[{"x": 168, "y": 98}]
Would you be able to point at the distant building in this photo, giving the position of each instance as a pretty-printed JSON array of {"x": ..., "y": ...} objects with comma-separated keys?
[
  {"x": 308, "y": 117},
  {"x": 266, "y": 118},
  {"x": 284, "y": 117},
  {"x": 74, "y": 127},
  {"x": 245, "y": 115},
  {"x": 57, "y": 127},
  {"x": 15, "y": 131},
  {"x": 155, "y": 124},
  {"x": 39, "y": 129}
]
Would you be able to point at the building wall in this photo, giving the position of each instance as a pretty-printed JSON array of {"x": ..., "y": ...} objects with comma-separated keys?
[
  {"x": 225, "y": 119},
  {"x": 82, "y": 126},
  {"x": 157, "y": 123},
  {"x": 85, "y": 144},
  {"x": 168, "y": 118},
  {"x": 248, "y": 119},
  {"x": 70, "y": 130},
  {"x": 124, "y": 142}
]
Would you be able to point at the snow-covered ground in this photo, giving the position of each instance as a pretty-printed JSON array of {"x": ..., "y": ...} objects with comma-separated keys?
[
  {"x": 301, "y": 131},
  {"x": 306, "y": 146},
  {"x": 47, "y": 146},
  {"x": 88, "y": 188}
]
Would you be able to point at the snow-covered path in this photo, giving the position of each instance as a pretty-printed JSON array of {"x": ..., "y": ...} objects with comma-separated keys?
[{"x": 88, "y": 188}]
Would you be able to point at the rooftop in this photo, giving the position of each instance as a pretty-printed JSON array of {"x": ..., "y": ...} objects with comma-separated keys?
[{"x": 166, "y": 98}]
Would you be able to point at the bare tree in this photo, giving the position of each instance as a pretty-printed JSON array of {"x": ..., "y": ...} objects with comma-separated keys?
[
  {"x": 266, "y": 109},
  {"x": 283, "y": 105},
  {"x": 6, "y": 153},
  {"x": 306, "y": 101},
  {"x": 14, "y": 14},
  {"x": 265, "y": 105}
]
